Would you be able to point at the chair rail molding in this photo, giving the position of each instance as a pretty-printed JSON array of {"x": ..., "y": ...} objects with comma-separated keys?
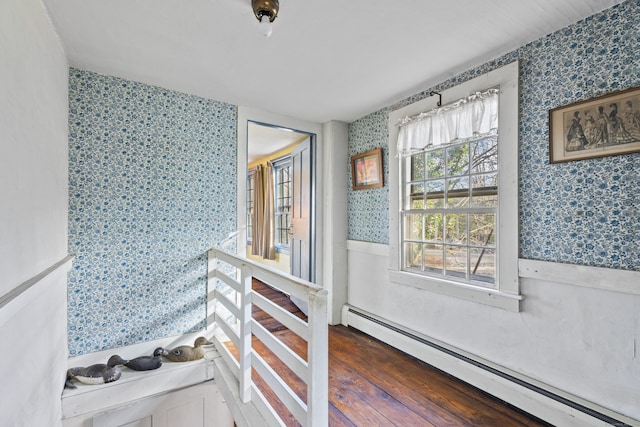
[
  {"x": 608, "y": 279},
  {"x": 16, "y": 299}
]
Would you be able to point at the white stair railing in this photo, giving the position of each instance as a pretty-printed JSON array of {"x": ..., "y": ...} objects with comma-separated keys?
[{"x": 230, "y": 300}]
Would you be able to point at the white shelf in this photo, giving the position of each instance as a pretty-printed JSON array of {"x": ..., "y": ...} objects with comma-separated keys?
[{"x": 133, "y": 385}]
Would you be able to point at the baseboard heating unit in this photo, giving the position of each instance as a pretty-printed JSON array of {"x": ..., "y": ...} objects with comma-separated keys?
[{"x": 545, "y": 402}]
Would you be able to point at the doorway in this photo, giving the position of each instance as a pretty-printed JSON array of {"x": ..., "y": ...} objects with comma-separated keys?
[
  {"x": 328, "y": 195},
  {"x": 280, "y": 204}
]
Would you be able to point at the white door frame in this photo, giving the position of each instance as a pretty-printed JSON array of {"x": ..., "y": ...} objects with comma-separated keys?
[{"x": 246, "y": 115}]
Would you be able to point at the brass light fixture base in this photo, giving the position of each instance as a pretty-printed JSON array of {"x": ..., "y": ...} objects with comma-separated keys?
[{"x": 265, "y": 8}]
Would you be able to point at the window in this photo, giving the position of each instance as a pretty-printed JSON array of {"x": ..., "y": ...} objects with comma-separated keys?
[
  {"x": 454, "y": 202},
  {"x": 450, "y": 211},
  {"x": 282, "y": 168},
  {"x": 251, "y": 182}
]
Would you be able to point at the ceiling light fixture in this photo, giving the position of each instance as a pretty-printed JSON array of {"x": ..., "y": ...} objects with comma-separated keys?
[{"x": 266, "y": 12}]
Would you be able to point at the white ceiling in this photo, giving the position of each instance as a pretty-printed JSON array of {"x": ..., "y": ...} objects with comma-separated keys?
[
  {"x": 326, "y": 60},
  {"x": 263, "y": 141}
]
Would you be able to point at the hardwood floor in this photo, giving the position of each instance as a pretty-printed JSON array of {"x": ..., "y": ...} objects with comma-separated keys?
[{"x": 373, "y": 384}]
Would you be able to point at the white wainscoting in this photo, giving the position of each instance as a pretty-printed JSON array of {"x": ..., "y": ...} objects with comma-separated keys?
[
  {"x": 33, "y": 360},
  {"x": 576, "y": 336},
  {"x": 606, "y": 279}
]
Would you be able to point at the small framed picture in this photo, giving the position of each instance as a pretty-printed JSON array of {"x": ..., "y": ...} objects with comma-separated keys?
[
  {"x": 366, "y": 170},
  {"x": 604, "y": 126}
]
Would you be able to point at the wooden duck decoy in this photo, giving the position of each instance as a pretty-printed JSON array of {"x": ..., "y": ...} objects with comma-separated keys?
[
  {"x": 186, "y": 353},
  {"x": 96, "y": 374},
  {"x": 146, "y": 363}
]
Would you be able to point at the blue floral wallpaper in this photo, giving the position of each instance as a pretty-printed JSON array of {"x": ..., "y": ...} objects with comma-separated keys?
[
  {"x": 368, "y": 217},
  {"x": 584, "y": 212},
  {"x": 152, "y": 184}
]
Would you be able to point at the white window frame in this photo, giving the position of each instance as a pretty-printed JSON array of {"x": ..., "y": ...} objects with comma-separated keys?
[
  {"x": 506, "y": 294},
  {"x": 280, "y": 163},
  {"x": 250, "y": 177}
]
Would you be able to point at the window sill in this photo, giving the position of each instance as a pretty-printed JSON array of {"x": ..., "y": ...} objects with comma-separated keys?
[{"x": 487, "y": 296}]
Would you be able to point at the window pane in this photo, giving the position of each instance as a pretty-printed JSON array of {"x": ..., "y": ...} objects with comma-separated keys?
[
  {"x": 484, "y": 191},
  {"x": 458, "y": 160},
  {"x": 484, "y": 155},
  {"x": 435, "y": 163},
  {"x": 413, "y": 227},
  {"x": 283, "y": 204},
  {"x": 433, "y": 228},
  {"x": 415, "y": 196},
  {"x": 250, "y": 185},
  {"x": 456, "y": 261},
  {"x": 285, "y": 229},
  {"x": 413, "y": 255},
  {"x": 458, "y": 192},
  {"x": 435, "y": 194},
  {"x": 482, "y": 229},
  {"x": 417, "y": 167},
  {"x": 483, "y": 265},
  {"x": 447, "y": 235},
  {"x": 433, "y": 258},
  {"x": 456, "y": 228}
]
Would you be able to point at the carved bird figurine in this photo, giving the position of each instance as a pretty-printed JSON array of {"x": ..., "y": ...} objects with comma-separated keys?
[
  {"x": 95, "y": 374},
  {"x": 186, "y": 353},
  {"x": 146, "y": 363}
]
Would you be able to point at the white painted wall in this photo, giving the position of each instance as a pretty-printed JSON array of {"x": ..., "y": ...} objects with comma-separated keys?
[
  {"x": 33, "y": 134},
  {"x": 578, "y": 339},
  {"x": 33, "y": 360},
  {"x": 335, "y": 174},
  {"x": 33, "y": 215}
]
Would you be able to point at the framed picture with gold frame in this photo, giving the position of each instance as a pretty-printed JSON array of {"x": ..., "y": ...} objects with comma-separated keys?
[
  {"x": 608, "y": 125},
  {"x": 366, "y": 170}
]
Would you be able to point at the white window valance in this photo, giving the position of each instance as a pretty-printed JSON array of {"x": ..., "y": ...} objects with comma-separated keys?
[{"x": 469, "y": 117}]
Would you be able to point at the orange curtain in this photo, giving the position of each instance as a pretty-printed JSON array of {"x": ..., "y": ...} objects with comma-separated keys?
[
  {"x": 258, "y": 211},
  {"x": 268, "y": 246},
  {"x": 263, "y": 239}
]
